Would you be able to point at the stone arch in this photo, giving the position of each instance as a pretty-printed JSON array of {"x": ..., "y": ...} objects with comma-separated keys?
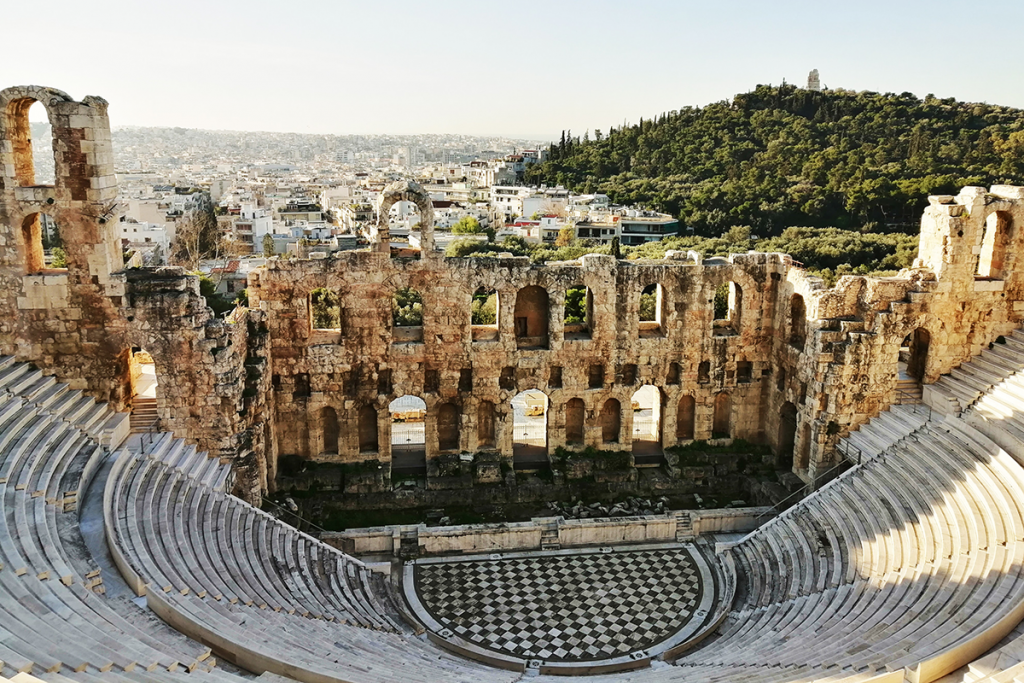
[
  {"x": 646, "y": 404},
  {"x": 368, "y": 431},
  {"x": 685, "y": 418},
  {"x": 531, "y": 317},
  {"x": 485, "y": 424},
  {"x": 787, "y": 436},
  {"x": 15, "y": 103},
  {"x": 329, "y": 430},
  {"x": 447, "y": 427},
  {"x": 918, "y": 343},
  {"x": 721, "y": 426},
  {"x": 797, "y": 322},
  {"x": 529, "y": 429},
  {"x": 995, "y": 240},
  {"x": 575, "y": 415},
  {"x": 408, "y": 436},
  {"x": 31, "y": 239},
  {"x": 652, "y": 311},
  {"x": 485, "y": 312},
  {"x": 578, "y": 312},
  {"x": 409, "y": 191},
  {"x": 611, "y": 421}
]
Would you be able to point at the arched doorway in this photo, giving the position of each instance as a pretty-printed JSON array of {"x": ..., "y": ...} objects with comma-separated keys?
[
  {"x": 329, "y": 430},
  {"x": 408, "y": 436},
  {"x": 448, "y": 427},
  {"x": 142, "y": 375},
  {"x": 685, "y": 415},
  {"x": 611, "y": 421},
  {"x": 721, "y": 424},
  {"x": 646, "y": 406},
  {"x": 367, "y": 429},
  {"x": 787, "y": 436},
  {"x": 530, "y": 430},
  {"x": 575, "y": 412}
]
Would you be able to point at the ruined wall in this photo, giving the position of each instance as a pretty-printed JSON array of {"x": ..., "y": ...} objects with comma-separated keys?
[{"x": 81, "y": 322}]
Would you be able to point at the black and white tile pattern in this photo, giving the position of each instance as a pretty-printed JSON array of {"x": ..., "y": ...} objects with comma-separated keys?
[{"x": 564, "y": 607}]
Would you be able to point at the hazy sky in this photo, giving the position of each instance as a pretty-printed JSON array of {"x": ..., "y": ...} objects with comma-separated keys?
[{"x": 524, "y": 68}]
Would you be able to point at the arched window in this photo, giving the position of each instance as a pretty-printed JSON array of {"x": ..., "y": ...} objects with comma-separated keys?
[
  {"x": 993, "y": 245},
  {"x": 797, "y": 322},
  {"x": 324, "y": 310},
  {"x": 41, "y": 244},
  {"x": 578, "y": 312},
  {"x": 448, "y": 427},
  {"x": 704, "y": 372},
  {"x": 367, "y": 430},
  {"x": 485, "y": 424},
  {"x": 329, "y": 427},
  {"x": 31, "y": 138},
  {"x": 407, "y": 315},
  {"x": 917, "y": 343},
  {"x": 575, "y": 412},
  {"x": 685, "y": 418},
  {"x": 484, "y": 314},
  {"x": 530, "y": 429},
  {"x": 652, "y": 311},
  {"x": 531, "y": 318},
  {"x": 611, "y": 421},
  {"x": 722, "y": 422},
  {"x": 728, "y": 308}
]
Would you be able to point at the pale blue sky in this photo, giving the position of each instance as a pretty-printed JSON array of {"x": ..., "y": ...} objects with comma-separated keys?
[{"x": 524, "y": 68}]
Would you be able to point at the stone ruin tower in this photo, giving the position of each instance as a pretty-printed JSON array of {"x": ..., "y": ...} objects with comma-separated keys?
[
  {"x": 813, "y": 80},
  {"x": 65, "y": 319}
]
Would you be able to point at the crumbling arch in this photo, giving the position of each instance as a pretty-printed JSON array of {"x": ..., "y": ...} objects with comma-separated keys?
[
  {"x": 531, "y": 318},
  {"x": 17, "y": 129},
  {"x": 578, "y": 312},
  {"x": 797, "y": 322},
  {"x": 611, "y": 421},
  {"x": 685, "y": 418},
  {"x": 447, "y": 425},
  {"x": 652, "y": 311},
  {"x": 409, "y": 191},
  {"x": 41, "y": 244},
  {"x": 995, "y": 240},
  {"x": 484, "y": 314},
  {"x": 728, "y": 307},
  {"x": 575, "y": 415},
  {"x": 329, "y": 430}
]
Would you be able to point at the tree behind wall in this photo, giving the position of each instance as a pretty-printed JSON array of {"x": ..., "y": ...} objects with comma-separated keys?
[{"x": 196, "y": 236}]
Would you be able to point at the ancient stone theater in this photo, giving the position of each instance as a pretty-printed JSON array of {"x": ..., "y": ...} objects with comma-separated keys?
[{"x": 147, "y": 556}]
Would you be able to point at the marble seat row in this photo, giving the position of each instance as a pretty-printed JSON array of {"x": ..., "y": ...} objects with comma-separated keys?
[
  {"x": 47, "y": 395},
  {"x": 964, "y": 385},
  {"x": 901, "y": 562},
  {"x": 53, "y": 617},
  {"x": 208, "y": 563}
]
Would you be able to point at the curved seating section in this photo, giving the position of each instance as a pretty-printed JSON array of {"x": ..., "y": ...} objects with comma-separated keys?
[
  {"x": 884, "y": 431},
  {"x": 53, "y": 617},
  {"x": 913, "y": 560},
  {"x": 965, "y": 385},
  {"x": 270, "y": 597}
]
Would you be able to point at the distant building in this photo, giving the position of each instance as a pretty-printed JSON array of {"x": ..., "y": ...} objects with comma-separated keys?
[{"x": 813, "y": 81}]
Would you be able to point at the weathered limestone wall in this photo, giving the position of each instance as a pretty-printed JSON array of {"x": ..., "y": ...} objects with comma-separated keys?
[{"x": 370, "y": 363}]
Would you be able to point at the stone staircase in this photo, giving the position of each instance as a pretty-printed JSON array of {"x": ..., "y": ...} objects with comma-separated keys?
[
  {"x": 959, "y": 390},
  {"x": 908, "y": 390},
  {"x": 144, "y": 417},
  {"x": 883, "y": 431}
]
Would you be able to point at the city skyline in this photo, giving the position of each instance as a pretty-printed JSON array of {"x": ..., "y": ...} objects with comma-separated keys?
[{"x": 527, "y": 71}]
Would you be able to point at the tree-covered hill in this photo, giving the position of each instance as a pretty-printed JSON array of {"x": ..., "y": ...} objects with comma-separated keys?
[{"x": 785, "y": 156}]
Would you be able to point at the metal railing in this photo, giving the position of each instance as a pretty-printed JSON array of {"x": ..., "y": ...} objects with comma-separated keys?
[
  {"x": 310, "y": 526},
  {"x": 803, "y": 490}
]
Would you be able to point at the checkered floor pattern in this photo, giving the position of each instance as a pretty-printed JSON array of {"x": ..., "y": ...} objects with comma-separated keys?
[{"x": 579, "y": 607}]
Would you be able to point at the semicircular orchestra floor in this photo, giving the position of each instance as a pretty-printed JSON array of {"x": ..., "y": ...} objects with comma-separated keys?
[{"x": 566, "y": 605}]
